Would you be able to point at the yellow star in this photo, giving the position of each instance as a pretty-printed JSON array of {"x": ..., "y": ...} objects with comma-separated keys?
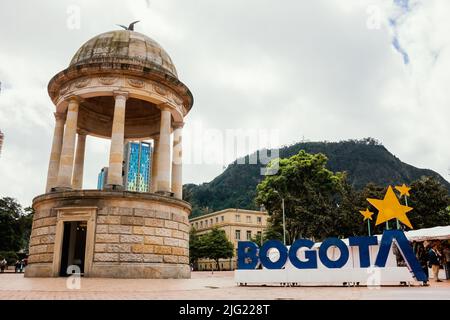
[
  {"x": 404, "y": 190},
  {"x": 367, "y": 214},
  {"x": 389, "y": 208}
]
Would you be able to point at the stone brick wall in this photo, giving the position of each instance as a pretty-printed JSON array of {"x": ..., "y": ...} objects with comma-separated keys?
[
  {"x": 136, "y": 235},
  {"x": 142, "y": 235},
  {"x": 42, "y": 240}
]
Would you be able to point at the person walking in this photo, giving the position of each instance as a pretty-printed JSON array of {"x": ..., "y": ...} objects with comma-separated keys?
[
  {"x": 22, "y": 266},
  {"x": 3, "y": 265},
  {"x": 446, "y": 253},
  {"x": 422, "y": 257},
  {"x": 433, "y": 258},
  {"x": 17, "y": 266}
]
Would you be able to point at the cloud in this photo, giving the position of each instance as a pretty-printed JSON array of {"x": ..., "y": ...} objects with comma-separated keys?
[{"x": 307, "y": 69}]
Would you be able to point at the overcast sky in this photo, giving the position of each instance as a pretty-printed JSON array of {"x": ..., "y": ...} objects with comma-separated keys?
[{"x": 316, "y": 70}]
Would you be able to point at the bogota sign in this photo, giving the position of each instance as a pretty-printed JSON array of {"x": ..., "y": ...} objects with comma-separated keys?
[{"x": 366, "y": 260}]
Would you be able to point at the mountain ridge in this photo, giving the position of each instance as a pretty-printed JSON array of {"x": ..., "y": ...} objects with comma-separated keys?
[{"x": 365, "y": 161}]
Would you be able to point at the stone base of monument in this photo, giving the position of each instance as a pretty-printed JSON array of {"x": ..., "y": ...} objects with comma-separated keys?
[{"x": 109, "y": 234}]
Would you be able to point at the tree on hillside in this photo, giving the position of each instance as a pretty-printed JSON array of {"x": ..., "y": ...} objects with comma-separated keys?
[
  {"x": 364, "y": 161},
  {"x": 430, "y": 201},
  {"x": 311, "y": 194}
]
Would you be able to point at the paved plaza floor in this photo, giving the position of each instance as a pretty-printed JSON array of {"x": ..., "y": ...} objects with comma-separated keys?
[{"x": 202, "y": 285}]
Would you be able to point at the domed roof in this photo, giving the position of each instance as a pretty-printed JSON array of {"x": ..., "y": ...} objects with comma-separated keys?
[{"x": 124, "y": 46}]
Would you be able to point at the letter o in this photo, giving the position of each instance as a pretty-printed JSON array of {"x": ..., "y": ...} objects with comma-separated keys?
[
  {"x": 266, "y": 262},
  {"x": 310, "y": 255},
  {"x": 339, "y": 263}
]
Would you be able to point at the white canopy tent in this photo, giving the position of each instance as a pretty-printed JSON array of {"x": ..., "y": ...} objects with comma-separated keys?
[{"x": 436, "y": 233}]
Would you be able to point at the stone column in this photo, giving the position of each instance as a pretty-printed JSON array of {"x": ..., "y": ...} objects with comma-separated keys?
[
  {"x": 64, "y": 180},
  {"x": 163, "y": 176},
  {"x": 177, "y": 183},
  {"x": 77, "y": 179},
  {"x": 115, "y": 179},
  {"x": 55, "y": 155},
  {"x": 154, "y": 177}
]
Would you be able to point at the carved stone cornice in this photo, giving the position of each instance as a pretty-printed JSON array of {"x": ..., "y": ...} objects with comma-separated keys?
[
  {"x": 74, "y": 98},
  {"x": 120, "y": 94}
]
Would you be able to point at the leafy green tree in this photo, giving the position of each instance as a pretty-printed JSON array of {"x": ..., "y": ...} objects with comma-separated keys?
[
  {"x": 374, "y": 191},
  {"x": 196, "y": 248},
  {"x": 259, "y": 238},
  {"x": 15, "y": 225},
  {"x": 212, "y": 245},
  {"x": 25, "y": 224},
  {"x": 274, "y": 229},
  {"x": 215, "y": 246},
  {"x": 311, "y": 194},
  {"x": 346, "y": 219},
  {"x": 429, "y": 198},
  {"x": 431, "y": 201}
]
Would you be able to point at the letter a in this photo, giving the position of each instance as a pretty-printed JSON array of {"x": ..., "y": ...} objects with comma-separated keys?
[{"x": 405, "y": 249}]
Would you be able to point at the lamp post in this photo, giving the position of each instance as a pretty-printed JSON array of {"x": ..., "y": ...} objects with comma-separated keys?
[
  {"x": 284, "y": 222},
  {"x": 261, "y": 209},
  {"x": 284, "y": 217}
]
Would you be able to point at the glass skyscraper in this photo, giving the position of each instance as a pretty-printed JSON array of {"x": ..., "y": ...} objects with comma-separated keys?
[
  {"x": 102, "y": 176},
  {"x": 137, "y": 167}
]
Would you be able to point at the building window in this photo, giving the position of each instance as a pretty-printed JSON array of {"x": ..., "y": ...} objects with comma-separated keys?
[
  {"x": 206, "y": 223},
  {"x": 249, "y": 235},
  {"x": 259, "y": 220},
  {"x": 201, "y": 224},
  {"x": 217, "y": 219},
  {"x": 238, "y": 218},
  {"x": 259, "y": 233},
  {"x": 211, "y": 221},
  {"x": 238, "y": 234},
  {"x": 249, "y": 219},
  {"x": 222, "y": 218}
]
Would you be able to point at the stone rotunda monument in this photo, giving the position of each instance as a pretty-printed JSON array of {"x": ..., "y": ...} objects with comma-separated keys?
[{"x": 120, "y": 85}]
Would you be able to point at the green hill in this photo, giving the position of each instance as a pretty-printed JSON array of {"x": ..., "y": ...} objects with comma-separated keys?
[{"x": 364, "y": 161}]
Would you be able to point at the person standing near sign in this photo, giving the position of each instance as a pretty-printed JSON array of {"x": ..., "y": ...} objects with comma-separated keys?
[
  {"x": 447, "y": 260},
  {"x": 3, "y": 265},
  {"x": 422, "y": 257},
  {"x": 434, "y": 257}
]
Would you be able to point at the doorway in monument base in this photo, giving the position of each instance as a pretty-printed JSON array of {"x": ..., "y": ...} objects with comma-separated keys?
[{"x": 73, "y": 254}]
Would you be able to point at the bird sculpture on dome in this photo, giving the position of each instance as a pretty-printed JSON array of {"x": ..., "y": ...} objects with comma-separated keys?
[{"x": 130, "y": 27}]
